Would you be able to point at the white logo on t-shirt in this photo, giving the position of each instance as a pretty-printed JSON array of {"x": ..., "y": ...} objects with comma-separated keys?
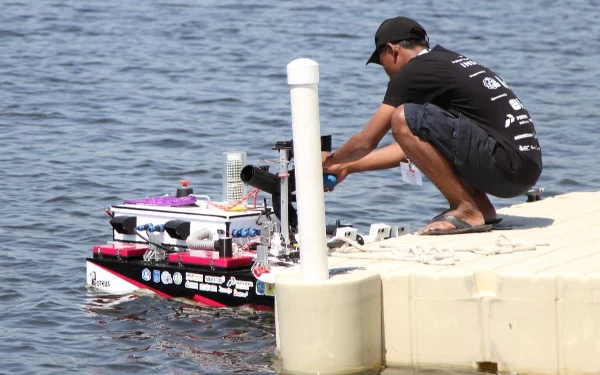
[
  {"x": 515, "y": 104},
  {"x": 490, "y": 83},
  {"x": 509, "y": 120}
]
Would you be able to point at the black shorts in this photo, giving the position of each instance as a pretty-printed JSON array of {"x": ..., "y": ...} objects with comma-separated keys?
[{"x": 466, "y": 145}]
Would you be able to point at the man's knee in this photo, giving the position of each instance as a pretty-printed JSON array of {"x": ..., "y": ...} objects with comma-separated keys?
[{"x": 399, "y": 125}]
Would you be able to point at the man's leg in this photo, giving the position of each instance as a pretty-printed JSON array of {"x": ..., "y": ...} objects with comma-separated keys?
[
  {"x": 482, "y": 201},
  {"x": 439, "y": 170}
]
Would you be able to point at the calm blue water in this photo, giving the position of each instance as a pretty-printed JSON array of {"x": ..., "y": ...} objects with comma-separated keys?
[{"x": 102, "y": 101}]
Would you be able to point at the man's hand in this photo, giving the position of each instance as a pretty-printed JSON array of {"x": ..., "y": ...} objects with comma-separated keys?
[
  {"x": 340, "y": 171},
  {"x": 324, "y": 155}
]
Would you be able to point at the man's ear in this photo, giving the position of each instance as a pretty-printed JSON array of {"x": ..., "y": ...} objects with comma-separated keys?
[
  {"x": 395, "y": 52},
  {"x": 389, "y": 48}
]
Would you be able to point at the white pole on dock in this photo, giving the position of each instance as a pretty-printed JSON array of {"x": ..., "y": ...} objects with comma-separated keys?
[
  {"x": 303, "y": 79},
  {"x": 325, "y": 325}
]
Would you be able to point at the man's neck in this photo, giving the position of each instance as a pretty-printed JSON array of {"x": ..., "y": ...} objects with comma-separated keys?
[{"x": 418, "y": 50}]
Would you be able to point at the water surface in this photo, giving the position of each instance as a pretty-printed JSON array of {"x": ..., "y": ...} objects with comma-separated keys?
[{"x": 103, "y": 101}]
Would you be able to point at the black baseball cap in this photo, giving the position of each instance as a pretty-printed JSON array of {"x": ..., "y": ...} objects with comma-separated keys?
[{"x": 395, "y": 30}]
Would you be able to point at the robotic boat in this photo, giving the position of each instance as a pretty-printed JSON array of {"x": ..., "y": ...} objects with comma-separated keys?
[{"x": 216, "y": 253}]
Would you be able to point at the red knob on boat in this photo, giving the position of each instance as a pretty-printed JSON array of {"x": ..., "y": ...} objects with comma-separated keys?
[{"x": 185, "y": 190}]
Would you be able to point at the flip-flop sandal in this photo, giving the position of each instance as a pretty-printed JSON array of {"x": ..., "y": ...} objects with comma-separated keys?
[
  {"x": 487, "y": 222},
  {"x": 460, "y": 226}
]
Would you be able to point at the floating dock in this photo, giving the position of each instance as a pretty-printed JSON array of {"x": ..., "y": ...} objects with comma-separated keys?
[{"x": 524, "y": 297}]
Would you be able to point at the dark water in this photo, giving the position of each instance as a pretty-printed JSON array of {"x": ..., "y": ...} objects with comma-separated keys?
[{"x": 102, "y": 101}]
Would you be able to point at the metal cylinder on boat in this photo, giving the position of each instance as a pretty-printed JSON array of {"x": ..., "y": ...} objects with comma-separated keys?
[
  {"x": 261, "y": 179},
  {"x": 233, "y": 188}
]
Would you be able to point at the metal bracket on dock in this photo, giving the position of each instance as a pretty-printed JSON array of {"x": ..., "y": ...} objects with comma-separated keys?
[{"x": 534, "y": 194}]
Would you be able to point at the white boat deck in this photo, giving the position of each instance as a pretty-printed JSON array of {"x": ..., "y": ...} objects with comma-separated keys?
[{"x": 534, "y": 311}]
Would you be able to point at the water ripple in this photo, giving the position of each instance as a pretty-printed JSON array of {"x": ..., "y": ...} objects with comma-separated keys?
[{"x": 105, "y": 101}]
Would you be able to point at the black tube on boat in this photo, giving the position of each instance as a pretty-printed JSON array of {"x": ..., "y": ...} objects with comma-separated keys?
[{"x": 258, "y": 178}]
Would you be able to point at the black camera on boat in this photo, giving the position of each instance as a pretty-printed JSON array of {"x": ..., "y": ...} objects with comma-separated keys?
[
  {"x": 260, "y": 178},
  {"x": 124, "y": 224}
]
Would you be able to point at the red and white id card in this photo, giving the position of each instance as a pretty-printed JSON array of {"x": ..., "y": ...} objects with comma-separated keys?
[{"x": 410, "y": 174}]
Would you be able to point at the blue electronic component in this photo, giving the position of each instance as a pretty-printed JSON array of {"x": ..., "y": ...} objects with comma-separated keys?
[
  {"x": 245, "y": 232},
  {"x": 151, "y": 227},
  {"x": 329, "y": 180}
]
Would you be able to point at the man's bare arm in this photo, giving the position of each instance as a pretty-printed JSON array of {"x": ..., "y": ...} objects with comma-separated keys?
[{"x": 362, "y": 143}]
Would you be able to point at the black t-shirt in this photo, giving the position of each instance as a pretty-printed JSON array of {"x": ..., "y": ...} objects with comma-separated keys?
[{"x": 460, "y": 85}]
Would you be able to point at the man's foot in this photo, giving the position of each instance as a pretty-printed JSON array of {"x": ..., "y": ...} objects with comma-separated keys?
[
  {"x": 485, "y": 207},
  {"x": 495, "y": 221},
  {"x": 460, "y": 226},
  {"x": 455, "y": 221},
  {"x": 490, "y": 217}
]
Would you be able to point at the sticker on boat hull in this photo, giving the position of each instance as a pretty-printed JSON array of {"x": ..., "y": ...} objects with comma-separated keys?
[
  {"x": 207, "y": 287},
  {"x": 260, "y": 288},
  {"x": 214, "y": 279},
  {"x": 177, "y": 278},
  {"x": 270, "y": 289},
  {"x": 194, "y": 277},
  {"x": 166, "y": 278},
  {"x": 104, "y": 280}
]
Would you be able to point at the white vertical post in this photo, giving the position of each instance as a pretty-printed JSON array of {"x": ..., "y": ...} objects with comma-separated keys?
[
  {"x": 284, "y": 157},
  {"x": 303, "y": 79}
]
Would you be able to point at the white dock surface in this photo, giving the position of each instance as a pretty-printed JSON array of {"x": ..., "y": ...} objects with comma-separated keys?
[{"x": 534, "y": 311}]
